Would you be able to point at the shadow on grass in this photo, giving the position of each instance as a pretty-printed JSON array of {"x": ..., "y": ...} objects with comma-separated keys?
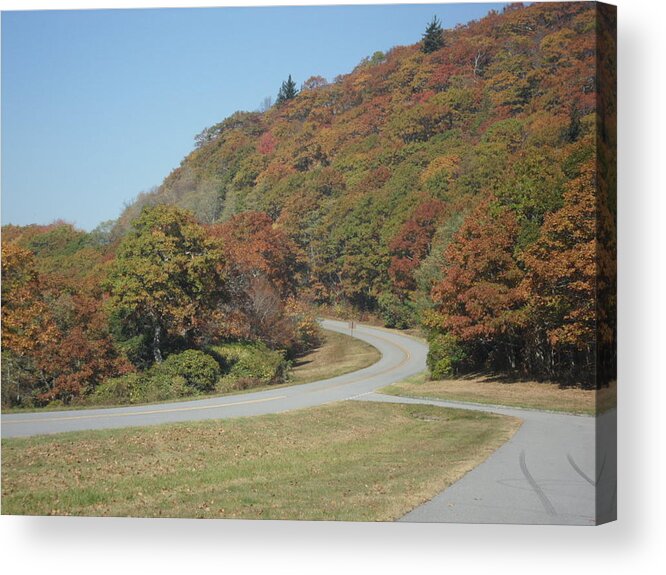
[{"x": 512, "y": 378}]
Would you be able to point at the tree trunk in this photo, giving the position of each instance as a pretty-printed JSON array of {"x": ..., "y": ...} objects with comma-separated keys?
[{"x": 157, "y": 354}]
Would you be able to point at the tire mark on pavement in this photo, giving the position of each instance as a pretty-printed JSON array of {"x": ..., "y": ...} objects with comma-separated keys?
[
  {"x": 583, "y": 474},
  {"x": 547, "y": 505}
]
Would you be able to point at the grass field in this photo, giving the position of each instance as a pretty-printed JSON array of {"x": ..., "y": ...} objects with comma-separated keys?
[
  {"x": 529, "y": 395},
  {"x": 347, "y": 461},
  {"x": 338, "y": 354}
]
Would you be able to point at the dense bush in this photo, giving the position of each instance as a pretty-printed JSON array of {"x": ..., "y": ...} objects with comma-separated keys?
[
  {"x": 445, "y": 356},
  {"x": 180, "y": 375},
  {"x": 250, "y": 361},
  {"x": 395, "y": 313},
  {"x": 161, "y": 386},
  {"x": 117, "y": 390},
  {"x": 146, "y": 387},
  {"x": 199, "y": 370},
  {"x": 231, "y": 384},
  {"x": 227, "y": 367}
]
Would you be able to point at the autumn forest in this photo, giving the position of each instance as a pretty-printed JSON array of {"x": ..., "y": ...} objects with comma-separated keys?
[{"x": 463, "y": 186}]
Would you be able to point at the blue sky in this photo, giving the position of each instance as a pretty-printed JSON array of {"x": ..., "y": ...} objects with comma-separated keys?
[{"x": 99, "y": 105}]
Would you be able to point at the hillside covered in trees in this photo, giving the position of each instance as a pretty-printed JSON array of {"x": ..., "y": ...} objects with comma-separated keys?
[{"x": 464, "y": 184}]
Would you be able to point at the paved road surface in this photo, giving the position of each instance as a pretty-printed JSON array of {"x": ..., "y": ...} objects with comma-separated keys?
[{"x": 545, "y": 474}]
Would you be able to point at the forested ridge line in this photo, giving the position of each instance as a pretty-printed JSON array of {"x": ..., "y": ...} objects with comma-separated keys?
[{"x": 465, "y": 184}]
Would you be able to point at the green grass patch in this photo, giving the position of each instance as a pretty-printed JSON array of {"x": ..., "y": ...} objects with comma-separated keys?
[{"x": 353, "y": 461}]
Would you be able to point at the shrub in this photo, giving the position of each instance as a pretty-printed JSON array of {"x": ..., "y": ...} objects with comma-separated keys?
[
  {"x": 252, "y": 361},
  {"x": 161, "y": 386},
  {"x": 395, "y": 313},
  {"x": 229, "y": 384},
  {"x": 445, "y": 356},
  {"x": 180, "y": 375},
  {"x": 144, "y": 387},
  {"x": 116, "y": 390},
  {"x": 198, "y": 370}
]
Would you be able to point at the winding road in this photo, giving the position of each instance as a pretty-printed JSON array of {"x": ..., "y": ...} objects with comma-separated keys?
[
  {"x": 545, "y": 474},
  {"x": 402, "y": 357}
]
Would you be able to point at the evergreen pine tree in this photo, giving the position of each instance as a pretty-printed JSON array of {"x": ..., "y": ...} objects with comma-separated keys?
[
  {"x": 287, "y": 91},
  {"x": 433, "y": 38}
]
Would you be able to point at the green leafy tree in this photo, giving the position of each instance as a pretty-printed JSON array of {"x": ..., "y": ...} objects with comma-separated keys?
[
  {"x": 287, "y": 91},
  {"x": 165, "y": 282},
  {"x": 433, "y": 37}
]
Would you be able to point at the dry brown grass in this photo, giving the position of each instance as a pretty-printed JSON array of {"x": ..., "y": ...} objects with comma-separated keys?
[
  {"x": 524, "y": 394},
  {"x": 350, "y": 461},
  {"x": 338, "y": 354}
]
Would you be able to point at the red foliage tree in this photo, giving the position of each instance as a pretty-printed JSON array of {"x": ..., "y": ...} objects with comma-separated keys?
[
  {"x": 254, "y": 246},
  {"x": 55, "y": 331},
  {"x": 266, "y": 144},
  {"x": 412, "y": 244},
  {"x": 26, "y": 324},
  {"x": 83, "y": 354},
  {"x": 262, "y": 270}
]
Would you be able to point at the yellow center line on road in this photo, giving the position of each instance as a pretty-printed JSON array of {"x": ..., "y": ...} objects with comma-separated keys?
[
  {"x": 147, "y": 412},
  {"x": 405, "y": 359}
]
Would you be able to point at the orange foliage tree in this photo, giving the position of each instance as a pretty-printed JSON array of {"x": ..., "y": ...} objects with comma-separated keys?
[
  {"x": 56, "y": 344},
  {"x": 83, "y": 354},
  {"x": 561, "y": 284},
  {"x": 479, "y": 299}
]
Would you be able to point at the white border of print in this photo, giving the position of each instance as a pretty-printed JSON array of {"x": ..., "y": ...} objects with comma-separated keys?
[{"x": 632, "y": 544}]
